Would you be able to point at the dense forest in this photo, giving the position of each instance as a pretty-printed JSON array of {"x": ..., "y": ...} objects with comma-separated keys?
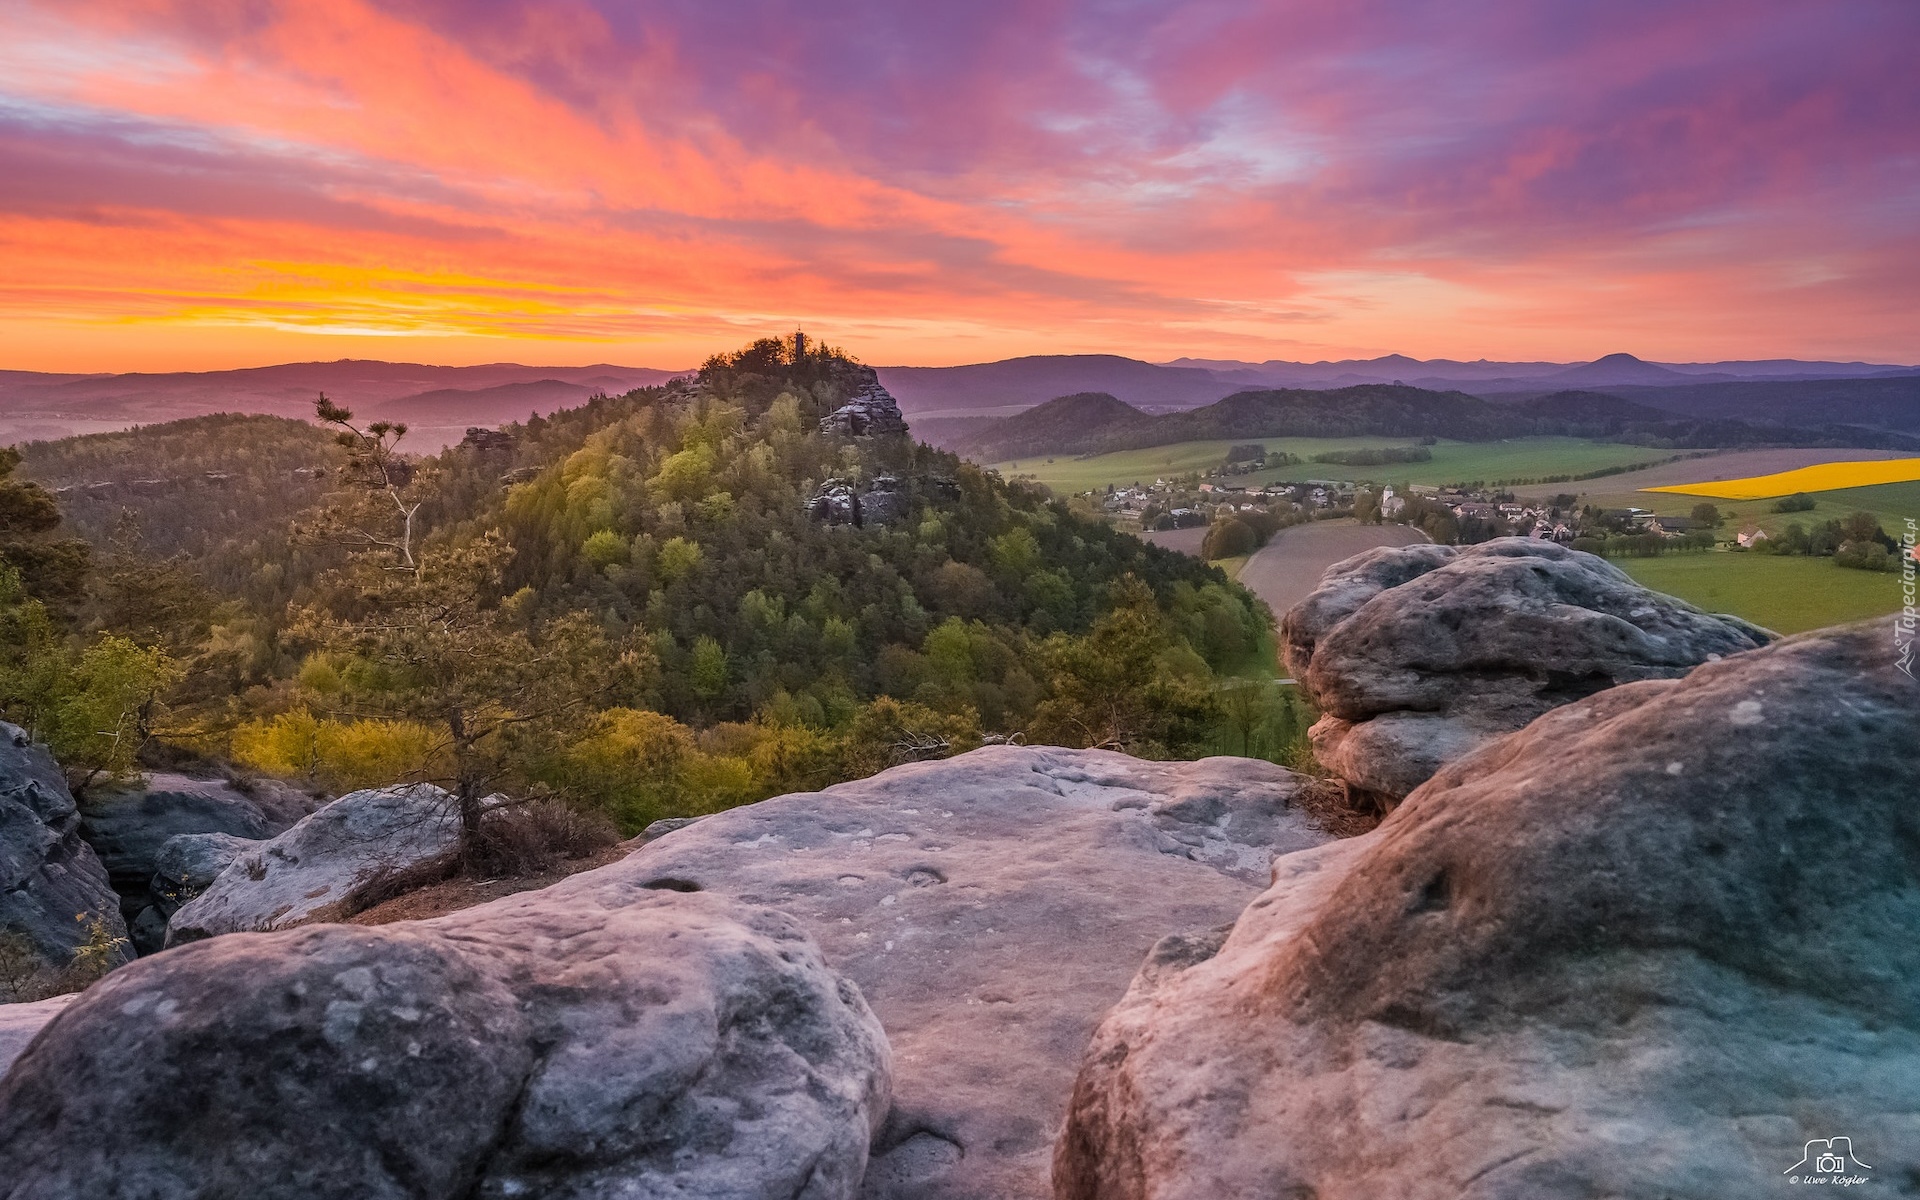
[{"x": 659, "y": 603}]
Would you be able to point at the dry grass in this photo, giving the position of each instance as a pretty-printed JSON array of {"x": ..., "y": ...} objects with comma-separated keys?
[{"x": 1332, "y": 806}]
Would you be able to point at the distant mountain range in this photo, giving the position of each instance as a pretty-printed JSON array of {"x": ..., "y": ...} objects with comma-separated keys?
[
  {"x": 1096, "y": 423},
  {"x": 955, "y": 405},
  {"x": 428, "y": 396},
  {"x": 1483, "y": 377}
]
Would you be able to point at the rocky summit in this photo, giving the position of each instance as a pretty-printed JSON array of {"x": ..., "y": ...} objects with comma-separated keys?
[
  {"x": 1415, "y": 655},
  {"x": 871, "y": 412},
  {"x": 1649, "y": 946}
]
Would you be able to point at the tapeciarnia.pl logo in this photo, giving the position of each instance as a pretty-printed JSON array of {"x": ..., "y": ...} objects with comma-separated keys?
[{"x": 1903, "y": 626}]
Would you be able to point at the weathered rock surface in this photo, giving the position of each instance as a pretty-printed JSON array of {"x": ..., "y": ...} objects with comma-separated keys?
[
  {"x": 127, "y": 826},
  {"x": 626, "y": 1042},
  {"x": 1417, "y": 654},
  {"x": 19, "y": 1023},
  {"x": 1645, "y": 948},
  {"x": 52, "y": 887},
  {"x": 319, "y": 866},
  {"x": 990, "y": 907}
]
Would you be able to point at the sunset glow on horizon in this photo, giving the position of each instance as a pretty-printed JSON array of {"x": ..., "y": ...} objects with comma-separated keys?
[{"x": 237, "y": 182}]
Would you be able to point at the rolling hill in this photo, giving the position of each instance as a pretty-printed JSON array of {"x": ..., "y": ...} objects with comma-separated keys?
[
  {"x": 1024, "y": 382},
  {"x": 1098, "y": 423}
]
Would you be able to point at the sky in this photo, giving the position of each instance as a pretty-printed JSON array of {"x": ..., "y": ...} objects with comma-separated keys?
[{"x": 201, "y": 184}]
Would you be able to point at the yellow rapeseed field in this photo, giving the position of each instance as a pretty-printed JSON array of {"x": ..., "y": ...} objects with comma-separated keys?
[{"x": 1824, "y": 477}]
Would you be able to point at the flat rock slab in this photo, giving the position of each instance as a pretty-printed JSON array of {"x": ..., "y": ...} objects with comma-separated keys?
[
  {"x": 990, "y": 907},
  {"x": 630, "y": 1043},
  {"x": 1647, "y": 948}
]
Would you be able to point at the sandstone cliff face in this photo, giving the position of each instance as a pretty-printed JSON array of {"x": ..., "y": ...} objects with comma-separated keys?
[
  {"x": 1417, "y": 654},
  {"x": 1647, "y": 947}
]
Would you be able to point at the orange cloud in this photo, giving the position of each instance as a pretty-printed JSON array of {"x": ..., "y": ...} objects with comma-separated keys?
[{"x": 207, "y": 184}]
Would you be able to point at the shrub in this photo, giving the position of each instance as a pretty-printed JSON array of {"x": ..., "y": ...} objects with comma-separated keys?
[
  {"x": 1865, "y": 556},
  {"x": 1229, "y": 537},
  {"x": 531, "y": 838},
  {"x": 1798, "y": 502}
]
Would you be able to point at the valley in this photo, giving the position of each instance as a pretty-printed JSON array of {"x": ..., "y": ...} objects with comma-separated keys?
[{"x": 1453, "y": 462}]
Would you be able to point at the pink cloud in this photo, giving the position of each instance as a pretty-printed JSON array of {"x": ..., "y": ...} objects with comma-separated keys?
[{"x": 1490, "y": 177}]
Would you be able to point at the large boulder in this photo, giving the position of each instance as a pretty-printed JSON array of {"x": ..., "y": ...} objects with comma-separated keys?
[
  {"x": 623, "y": 1042},
  {"x": 1415, "y": 655},
  {"x": 127, "y": 826},
  {"x": 321, "y": 866},
  {"x": 1648, "y": 948},
  {"x": 54, "y": 894},
  {"x": 991, "y": 907}
]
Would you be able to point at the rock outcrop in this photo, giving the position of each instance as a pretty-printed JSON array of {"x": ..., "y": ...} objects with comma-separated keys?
[
  {"x": 623, "y": 1042},
  {"x": 840, "y": 502},
  {"x": 872, "y": 412},
  {"x": 127, "y": 826},
  {"x": 1647, "y": 947},
  {"x": 320, "y": 866},
  {"x": 53, "y": 889},
  {"x": 1417, "y": 654},
  {"x": 990, "y": 906}
]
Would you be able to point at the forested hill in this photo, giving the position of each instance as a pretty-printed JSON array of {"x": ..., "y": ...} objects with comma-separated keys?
[
  {"x": 221, "y": 490},
  {"x": 1096, "y": 423},
  {"x": 660, "y": 603},
  {"x": 695, "y": 515}
]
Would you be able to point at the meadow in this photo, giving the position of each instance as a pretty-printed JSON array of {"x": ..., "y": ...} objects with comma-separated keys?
[
  {"x": 1453, "y": 462},
  {"x": 1787, "y": 595}
]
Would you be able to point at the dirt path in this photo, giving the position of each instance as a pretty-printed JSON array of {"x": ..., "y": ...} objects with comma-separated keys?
[{"x": 1289, "y": 566}]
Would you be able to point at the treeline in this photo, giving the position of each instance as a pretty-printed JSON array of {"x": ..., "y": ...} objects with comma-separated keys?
[
  {"x": 1378, "y": 457},
  {"x": 1856, "y": 540}
]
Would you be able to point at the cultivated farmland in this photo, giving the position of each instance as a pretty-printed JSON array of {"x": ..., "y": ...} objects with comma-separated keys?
[
  {"x": 1453, "y": 462},
  {"x": 1822, "y": 477}
]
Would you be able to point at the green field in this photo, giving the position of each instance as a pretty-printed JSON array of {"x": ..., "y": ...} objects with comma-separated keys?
[
  {"x": 1453, "y": 462},
  {"x": 1787, "y": 595}
]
